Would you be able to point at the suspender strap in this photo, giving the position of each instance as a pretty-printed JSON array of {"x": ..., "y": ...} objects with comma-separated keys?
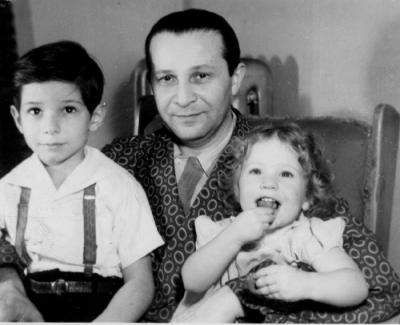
[
  {"x": 22, "y": 219},
  {"x": 89, "y": 221}
]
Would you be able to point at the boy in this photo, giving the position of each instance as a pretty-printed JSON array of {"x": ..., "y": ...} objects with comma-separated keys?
[{"x": 78, "y": 221}]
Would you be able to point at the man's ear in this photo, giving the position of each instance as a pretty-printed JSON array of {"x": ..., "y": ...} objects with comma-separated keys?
[
  {"x": 237, "y": 78},
  {"x": 97, "y": 117},
  {"x": 16, "y": 117}
]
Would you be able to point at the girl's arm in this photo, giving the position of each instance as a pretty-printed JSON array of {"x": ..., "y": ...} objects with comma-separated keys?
[
  {"x": 134, "y": 297},
  {"x": 337, "y": 281},
  {"x": 205, "y": 266}
]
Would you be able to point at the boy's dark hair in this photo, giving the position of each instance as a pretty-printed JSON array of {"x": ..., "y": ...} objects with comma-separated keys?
[
  {"x": 319, "y": 191},
  {"x": 64, "y": 61},
  {"x": 197, "y": 20}
]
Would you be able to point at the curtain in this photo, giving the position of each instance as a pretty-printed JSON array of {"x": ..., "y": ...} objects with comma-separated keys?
[{"x": 11, "y": 142}]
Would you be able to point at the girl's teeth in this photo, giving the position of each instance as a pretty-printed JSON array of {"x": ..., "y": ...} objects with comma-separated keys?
[{"x": 267, "y": 203}]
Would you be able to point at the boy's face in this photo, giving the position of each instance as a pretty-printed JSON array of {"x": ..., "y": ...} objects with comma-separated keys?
[
  {"x": 55, "y": 122},
  {"x": 271, "y": 175}
]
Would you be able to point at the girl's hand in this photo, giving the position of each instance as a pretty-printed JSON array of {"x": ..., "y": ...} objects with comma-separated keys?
[
  {"x": 252, "y": 224},
  {"x": 281, "y": 282}
]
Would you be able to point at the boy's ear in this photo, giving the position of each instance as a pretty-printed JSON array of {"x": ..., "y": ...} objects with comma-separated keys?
[
  {"x": 97, "y": 117},
  {"x": 16, "y": 117},
  {"x": 237, "y": 78}
]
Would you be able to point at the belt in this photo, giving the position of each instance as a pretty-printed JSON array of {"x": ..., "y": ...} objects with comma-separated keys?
[{"x": 61, "y": 286}]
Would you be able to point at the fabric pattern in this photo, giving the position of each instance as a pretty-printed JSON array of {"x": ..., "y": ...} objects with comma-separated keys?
[{"x": 150, "y": 160}]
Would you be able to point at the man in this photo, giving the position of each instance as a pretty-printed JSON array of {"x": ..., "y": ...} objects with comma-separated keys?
[{"x": 193, "y": 60}]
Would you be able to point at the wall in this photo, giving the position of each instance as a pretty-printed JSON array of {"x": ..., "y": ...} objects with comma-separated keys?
[
  {"x": 112, "y": 30},
  {"x": 328, "y": 57}
]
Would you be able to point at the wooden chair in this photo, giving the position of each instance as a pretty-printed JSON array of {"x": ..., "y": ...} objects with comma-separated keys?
[{"x": 363, "y": 155}]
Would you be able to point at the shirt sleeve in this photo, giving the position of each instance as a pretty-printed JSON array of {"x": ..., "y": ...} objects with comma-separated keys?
[
  {"x": 206, "y": 229},
  {"x": 315, "y": 237},
  {"x": 135, "y": 231}
]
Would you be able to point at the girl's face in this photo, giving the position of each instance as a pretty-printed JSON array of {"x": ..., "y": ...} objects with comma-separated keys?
[{"x": 271, "y": 175}]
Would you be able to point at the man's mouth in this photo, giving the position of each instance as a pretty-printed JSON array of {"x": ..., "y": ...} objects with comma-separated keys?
[{"x": 268, "y": 202}]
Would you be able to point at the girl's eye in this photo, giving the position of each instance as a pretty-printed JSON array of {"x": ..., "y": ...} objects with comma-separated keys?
[
  {"x": 34, "y": 110},
  {"x": 287, "y": 174},
  {"x": 255, "y": 171},
  {"x": 70, "y": 109}
]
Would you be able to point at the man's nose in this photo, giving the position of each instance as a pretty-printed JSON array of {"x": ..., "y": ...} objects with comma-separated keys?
[
  {"x": 184, "y": 94},
  {"x": 51, "y": 124}
]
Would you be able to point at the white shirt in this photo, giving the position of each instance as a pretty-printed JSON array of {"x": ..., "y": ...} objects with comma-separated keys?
[{"x": 54, "y": 236}]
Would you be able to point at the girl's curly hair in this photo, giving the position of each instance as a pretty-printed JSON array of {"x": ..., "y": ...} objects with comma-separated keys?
[{"x": 319, "y": 191}]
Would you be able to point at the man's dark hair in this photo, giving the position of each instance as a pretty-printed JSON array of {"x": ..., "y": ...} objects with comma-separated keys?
[
  {"x": 64, "y": 61},
  {"x": 197, "y": 20}
]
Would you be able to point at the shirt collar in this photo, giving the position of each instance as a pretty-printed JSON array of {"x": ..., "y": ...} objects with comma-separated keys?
[{"x": 208, "y": 156}]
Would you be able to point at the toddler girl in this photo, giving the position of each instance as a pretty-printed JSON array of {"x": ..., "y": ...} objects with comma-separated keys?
[{"x": 280, "y": 175}]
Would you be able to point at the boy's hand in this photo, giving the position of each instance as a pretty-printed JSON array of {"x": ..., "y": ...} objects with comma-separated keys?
[
  {"x": 251, "y": 225},
  {"x": 281, "y": 282}
]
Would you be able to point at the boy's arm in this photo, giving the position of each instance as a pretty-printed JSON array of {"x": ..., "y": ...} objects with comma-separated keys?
[
  {"x": 134, "y": 297},
  {"x": 14, "y": 303}
]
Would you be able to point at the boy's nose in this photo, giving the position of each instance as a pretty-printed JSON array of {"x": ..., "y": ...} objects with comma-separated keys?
[
  {"x": 184, "y": 94},
  {"x": 51, "y": 125}
]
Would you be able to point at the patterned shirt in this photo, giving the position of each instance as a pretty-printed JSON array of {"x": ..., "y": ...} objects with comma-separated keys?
[{"x": 151, "y": 160}]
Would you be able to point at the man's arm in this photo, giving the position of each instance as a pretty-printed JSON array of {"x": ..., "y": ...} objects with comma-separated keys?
[{"x": 14, "y": 303}]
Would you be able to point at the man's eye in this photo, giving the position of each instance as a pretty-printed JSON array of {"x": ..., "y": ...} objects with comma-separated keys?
[
  {"x": 166, "y": 79},
  {"x": 287, "y": 174},
  {"x": 34, "y": 110},
  {"x": 201, "y": 76},
  {"x": 70, "y": 109}
]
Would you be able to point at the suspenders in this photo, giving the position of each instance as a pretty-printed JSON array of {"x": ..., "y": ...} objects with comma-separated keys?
[
  {"x": 22, "y": 219},
  {"x": 89, "y": 222}
]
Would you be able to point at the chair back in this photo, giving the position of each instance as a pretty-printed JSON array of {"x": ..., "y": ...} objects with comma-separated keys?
[{"x": 363, "y": 156}]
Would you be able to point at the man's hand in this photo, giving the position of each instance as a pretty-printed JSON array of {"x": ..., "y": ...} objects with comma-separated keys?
[{"x": 15, "y": 306}]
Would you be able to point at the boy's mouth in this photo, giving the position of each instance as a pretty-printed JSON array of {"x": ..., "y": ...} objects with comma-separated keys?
[{"x": 268, "y": 202}]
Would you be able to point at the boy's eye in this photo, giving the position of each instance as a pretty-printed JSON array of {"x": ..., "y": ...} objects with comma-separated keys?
[
  {"x": 34, "y": 110},
  {"x": 287, "y": 174},
  {"x": 70, "y": 109}
]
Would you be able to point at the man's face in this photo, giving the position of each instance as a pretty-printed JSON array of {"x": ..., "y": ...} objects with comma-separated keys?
[{"x": 192, "y": 85}]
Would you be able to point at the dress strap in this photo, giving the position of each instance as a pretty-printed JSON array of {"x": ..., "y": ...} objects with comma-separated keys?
[
  {"x": 89, "y": 221},
  {"x": 22, "y": 219}
]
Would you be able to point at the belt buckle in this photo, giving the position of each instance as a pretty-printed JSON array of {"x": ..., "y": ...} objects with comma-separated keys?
[{"x": 59, "y": 286}]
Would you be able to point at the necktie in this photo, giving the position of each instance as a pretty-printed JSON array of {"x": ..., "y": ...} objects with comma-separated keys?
[{"x": 188, "y": 181}]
